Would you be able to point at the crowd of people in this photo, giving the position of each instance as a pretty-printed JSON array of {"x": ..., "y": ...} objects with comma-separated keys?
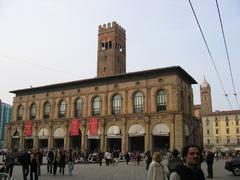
[{"x": 184, "y": 165}]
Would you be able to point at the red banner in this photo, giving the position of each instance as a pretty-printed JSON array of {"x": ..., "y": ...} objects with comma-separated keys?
[
  {"x": 28, "y": 129},
  {"x": 93, "y": 126},
  {"x": 74, "y": 131}
]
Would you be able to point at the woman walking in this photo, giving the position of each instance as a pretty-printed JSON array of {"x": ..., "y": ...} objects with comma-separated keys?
[{"x": 156, "y": 169}]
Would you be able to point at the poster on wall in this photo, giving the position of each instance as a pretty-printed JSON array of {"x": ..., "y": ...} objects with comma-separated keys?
[
  {"x": 74, "y": 131},
  {"x": 93, "y": 126},
  {"x": 28, "y": 129}
]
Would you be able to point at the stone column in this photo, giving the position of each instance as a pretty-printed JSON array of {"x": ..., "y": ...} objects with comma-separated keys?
[
  {"x": 124, "y": 136},
  {"x": 83, "y": 135},
  {"x": 103, "y": 137},
  {"x": 50, "y": 137},
  {"x": 147, "y": 133},
  {"x": 35, "y": 136},
  {"x": 67, "y": 134}
]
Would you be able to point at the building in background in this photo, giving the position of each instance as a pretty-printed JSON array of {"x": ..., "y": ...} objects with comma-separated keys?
[
  {"x": 5, "y": 117},
  {"x": 221, "y": 129},
  {"x": 137, "y": 111}
]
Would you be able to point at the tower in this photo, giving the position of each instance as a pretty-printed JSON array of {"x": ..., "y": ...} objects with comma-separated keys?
[
  {"x": 111, "y": 56},
  {"x": 206, "y": 98}
]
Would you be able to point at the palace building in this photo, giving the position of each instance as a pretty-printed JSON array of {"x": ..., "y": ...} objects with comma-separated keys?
[{"x": 137, "y": 111}]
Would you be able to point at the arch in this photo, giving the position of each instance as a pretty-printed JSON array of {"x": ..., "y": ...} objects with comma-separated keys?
[
  {"x": 59, "y": 133},
  {"x": 160, "y": 130},
  {"x": 43, "y": 133},
  {"x": 113, "y": 131},
  {"x": 136, "y": 130}
]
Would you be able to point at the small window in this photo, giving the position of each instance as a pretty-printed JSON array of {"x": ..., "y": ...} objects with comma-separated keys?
[
  {"x": 227, "y": 131},
  {"x": 217, "y": 131},
  {"x": 237, "y": 130},
  {"x": 110, "y": 44},
  {"x": 217, "y": 140},
  {"x": 228, "y": 141},
  {"x": 208, "y": 141},
  {"x": 208, "y": 132},
  {"x": 227, "y": 123}
]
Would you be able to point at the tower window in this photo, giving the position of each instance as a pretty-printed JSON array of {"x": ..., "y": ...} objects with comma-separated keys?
[
  {"x": 110, "y": 44},
  {"x": 106, "y": 45},
  {"x": 102, "y": 46},
  {"x": 104, "y": 69}
]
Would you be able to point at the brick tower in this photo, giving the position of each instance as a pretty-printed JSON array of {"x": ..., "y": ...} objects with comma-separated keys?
[
  {"x": 206, "y": 98},
  {"x": 111, "y": 57}
]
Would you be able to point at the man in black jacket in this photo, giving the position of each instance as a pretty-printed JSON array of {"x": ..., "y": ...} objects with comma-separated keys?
[
  {"x": 191, "y": 169},
  {"x": 210, "y": 158},
  {"x": 25, "y": 162}
]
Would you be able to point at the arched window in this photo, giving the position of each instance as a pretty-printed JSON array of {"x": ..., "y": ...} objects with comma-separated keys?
[
  {"x": 116, "y": 104},
  {"x": 20, "y": 112},
  {"x": 96, "y": 105},
  {"x": 138, "y": 102},
  {"x": 62, "y": 109},
  {"x": 78, "y": 107},
  {"x": 46, "y": 110},
  {"x": 161, "y": 101},
  {"x": 33, "y": 111}
]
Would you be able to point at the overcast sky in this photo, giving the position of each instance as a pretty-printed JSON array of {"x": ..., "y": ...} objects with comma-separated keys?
[{"x": 52, "y": 41}]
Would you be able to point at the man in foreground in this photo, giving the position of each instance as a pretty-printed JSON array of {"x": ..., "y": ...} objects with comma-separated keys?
[{"x": 191, "y": 169}]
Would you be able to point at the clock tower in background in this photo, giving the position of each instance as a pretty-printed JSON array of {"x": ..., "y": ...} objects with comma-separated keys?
[
  {"x": 111, "y": 56},
  {"x": 206, "y": 98}
]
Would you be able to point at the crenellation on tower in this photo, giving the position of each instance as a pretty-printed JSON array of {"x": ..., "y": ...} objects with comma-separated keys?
[{"x": 105, "y": 28}]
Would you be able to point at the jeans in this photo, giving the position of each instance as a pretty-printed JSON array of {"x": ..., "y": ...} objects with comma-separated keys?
[
  {"x": 70, "y": 167},
  {"x": 25, "y": 171}
]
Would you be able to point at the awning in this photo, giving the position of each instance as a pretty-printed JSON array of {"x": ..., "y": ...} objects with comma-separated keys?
[
  {"x": 43, "y": 134},
  {"x": 114, "y": 132},
  {"x": 59, "y": 133},
  {"x": 160, "y": 130},
  {"x": 136, "y": 130}
]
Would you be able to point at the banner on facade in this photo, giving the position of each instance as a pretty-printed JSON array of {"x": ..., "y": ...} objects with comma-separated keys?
[
  {"x": 74, "y": 131},
  {"x": 28, "y": 129},
  {"x": 93, "y": 126}
]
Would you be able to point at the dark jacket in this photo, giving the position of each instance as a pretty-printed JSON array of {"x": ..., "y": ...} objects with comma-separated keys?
[
  {"x": 186, "y": 173},
  {"x": 25, "y": 159}
]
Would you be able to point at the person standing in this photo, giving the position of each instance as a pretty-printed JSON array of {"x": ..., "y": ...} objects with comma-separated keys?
[
  {"x": 108, "y": 157},
  {"x": 100, "y": 157},
  {"x": 25, "y": 162},
  {"x": 210, "y": 158},
  {"x": 34, "y": 166},
  {"x": 62, "y": 162},
  {"x": 127, "y": 157},
  {"x": 156, "y": 169},
  {"x": 50, "y": 158},
  {"x": 148, "y": 159},
  {"x": 174, "y": 161},
  {"x": 10, "y": 162},
  {"x": 40, "y": 161},
  {"x": 191, "y": 169},
  {"x": 70, "y": 159}
]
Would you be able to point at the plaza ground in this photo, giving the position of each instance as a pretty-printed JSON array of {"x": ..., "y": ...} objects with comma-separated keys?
[{"x": 120, "y": 171}]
